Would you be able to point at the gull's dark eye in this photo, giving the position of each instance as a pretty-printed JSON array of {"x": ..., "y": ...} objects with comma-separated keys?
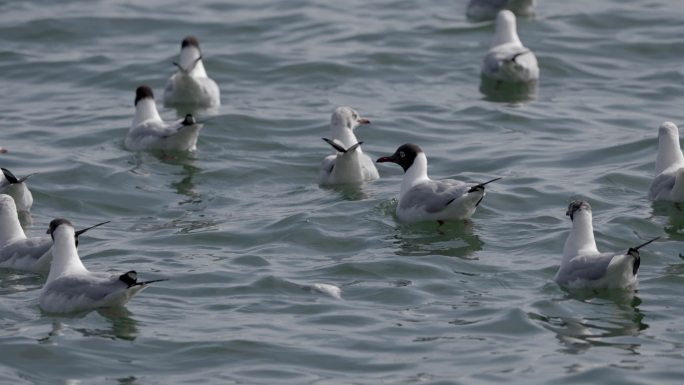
[
  {"x": 355, "y": 116},
  {"x": 401, "y": 154}
]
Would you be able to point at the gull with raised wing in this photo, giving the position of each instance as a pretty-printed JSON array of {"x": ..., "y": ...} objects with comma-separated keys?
[
  {"x": 349, "y": 164},
  {"x": 19, "y": 252},
  {"x": 507, "y": 59},
  {"x": 17, "y": 189},
  {"x": 70, "y": 287},
  {"x": 190, "y": 85},
  {"x": 668, "y": 185},
  {"x": 422, "y": 198},
  {"x": 583, "y": 266},
  {"x": 149, "y": 132}
]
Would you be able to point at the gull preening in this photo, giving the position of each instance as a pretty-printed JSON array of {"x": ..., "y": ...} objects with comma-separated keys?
[
  {"x": 583, "y": 266},
  {"x": 191, "y": 85},
  {"x": 149, "y": 132},
  {"x": 422, "y": 198},
  {"x": 488, "y": 9},
  {"x": 70, "y": 287},
  {"x": 349, "y": 164},
  {"x": 17, "y": 189},
  {"x": 668, "y": 184},
  {"x": 507, "y": 59}
]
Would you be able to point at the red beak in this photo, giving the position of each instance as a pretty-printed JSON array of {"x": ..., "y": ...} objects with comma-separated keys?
[
  {"x": 363, "y": 121},
  {"x": 386, "y": 159}
]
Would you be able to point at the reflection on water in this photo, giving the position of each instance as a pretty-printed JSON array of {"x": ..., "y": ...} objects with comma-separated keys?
[
  {"x": 453, "y": 239},
  {"x": 611, "y": 313},
  {"x": 186, "y": 186},
  {"x": 349, "y": 192},
  {"x": 674, "y": 211},
  {"x": 498, "y": 91},
  {"x": 122, "y": 326}
]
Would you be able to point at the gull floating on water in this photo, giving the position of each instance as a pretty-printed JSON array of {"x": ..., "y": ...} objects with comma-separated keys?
[
  {"x": 668, "y": 185},
  {"x": 149, "y": 132},
  {"x": 583, "y": 266},
  {"x": 422, "y": 198},
  {"x": 508, "y": 60},
  {"x": 70, "y": 287},
  {"x": 19, "y": 252},
  {"x": 488, "y": 9},
  {"x": 190, "y": 85},
  {"x": 17, "y": 189},
  {"x": 349, "y": 164}
]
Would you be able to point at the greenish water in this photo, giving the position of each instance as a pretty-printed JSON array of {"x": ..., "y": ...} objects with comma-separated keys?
[{"x": 242, "y": 229}]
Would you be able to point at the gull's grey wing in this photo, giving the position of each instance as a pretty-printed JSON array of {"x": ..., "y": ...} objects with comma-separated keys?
[
  {"x": 24, "y": 253},
  {"x": 585, "y": 268},
  {"x": 94, "y": 287},
  {"x": 662, "y": 185},
  {"x": 494, "y": 58},
  {"x": 435, "y": 195}
]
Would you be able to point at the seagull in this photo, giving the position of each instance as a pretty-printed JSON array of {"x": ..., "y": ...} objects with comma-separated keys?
[
  {"x": 507, "y": 59},
  {"x": 487, "y": 9},
  {"x": 349, "y": 164},
  {"x": 583, "y": 266},
  {"x": 149, "y": 132},
  {"x": 70, "y": 287},
  {"x": 668, "y": 185},
  {"x": 16, "y": 188},
  {"x": 19, "y": 252},
  {"x": 422, "y": 198},
  {"x": 190, "y": 85}
]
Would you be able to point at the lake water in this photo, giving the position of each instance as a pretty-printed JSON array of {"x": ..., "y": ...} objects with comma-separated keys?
[{"x": 242, "y": 229}]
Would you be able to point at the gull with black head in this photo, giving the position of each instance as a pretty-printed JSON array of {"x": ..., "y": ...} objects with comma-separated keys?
[
  {"x": 348, "y": 164},
  {"x": 583, "y": 266},
  {"x": 70, "y": 287},
  {"x": 191, "y": 85},
  {"x": 422, "y": 198},
  {"x": 149, "y": 132}
]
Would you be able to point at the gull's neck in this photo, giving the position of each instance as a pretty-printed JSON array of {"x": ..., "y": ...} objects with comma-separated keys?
[
  {"x": 188, "y": 56},
  {"x": 146, "y": 110},
  {"x": 581, "y": 239},
  {"x": 344, "y": 135},
  {"x": 65, "y": 257},
  {"x": 11, "y": 228},
  {"x": 669, "y": 152},
  {"x": 506, "y": 33},
  {"x": 415, "y": 174}
]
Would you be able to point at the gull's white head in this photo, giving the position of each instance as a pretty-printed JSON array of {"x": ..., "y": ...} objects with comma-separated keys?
[
  {"x": 506, "y": 30},
  {"x": 61, "y": 229},
  {"x": 343, "y": 122},
  {"x": 191, "y": 57},
  {"x": 581, "y": 238},
  {"x": 669, "y": 151},
  {"x": 9, "y": 221}
]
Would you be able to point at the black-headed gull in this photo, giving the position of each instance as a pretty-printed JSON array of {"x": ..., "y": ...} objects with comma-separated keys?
[
  {"x": 422, "y": 198},
  {"x": 190, "y": 85},
  {"x": 349, "y": 164},
  {"x": 17, "y": 189},
  {"x": 507, "y": 59},
  {"x": 149, "y": 132},
  {"x": 70, "y": 287},
  {"x": 668, "y": 184},
  {"x": 583, "y": 266}
]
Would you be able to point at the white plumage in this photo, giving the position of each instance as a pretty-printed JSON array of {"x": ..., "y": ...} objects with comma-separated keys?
[
  {"x": 149, "y": 132},
  {"x": 508, "y": 60},
  {"x": 17, "y": 189},
  {"x": 191, "y": 85},
  {"x": 668, "y": 184},
  {"x": 349, "y": 164}
]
